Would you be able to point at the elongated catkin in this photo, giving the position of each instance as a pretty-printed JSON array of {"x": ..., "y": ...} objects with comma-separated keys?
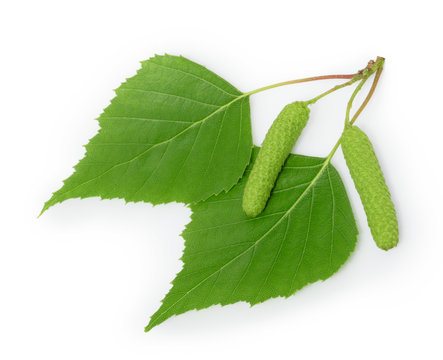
[
  {"x": 371, "y": 186},
  {"x": 276, "y": 147}
]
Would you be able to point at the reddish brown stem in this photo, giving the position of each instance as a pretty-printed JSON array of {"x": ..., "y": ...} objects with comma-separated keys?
[{"x": 368, "y": 97}]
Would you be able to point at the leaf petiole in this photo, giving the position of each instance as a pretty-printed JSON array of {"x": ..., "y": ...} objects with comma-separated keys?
[
  {"x": 297, "y": 81},
  {"x": 373, "y": 66},
  {"x": 368, "y": 97},
  {"x": 335, "y": 88},
  {"x": 351, "y": 100}
]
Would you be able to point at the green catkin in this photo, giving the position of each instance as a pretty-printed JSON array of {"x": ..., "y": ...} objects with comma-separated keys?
[
  {"x": 276, "y": 147},
  {"x": 371, "y": 186}
]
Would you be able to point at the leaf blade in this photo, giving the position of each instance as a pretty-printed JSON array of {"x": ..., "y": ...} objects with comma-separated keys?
[
  {"x": 162, "y": 137},
  {"x": 229, "y": 257}
]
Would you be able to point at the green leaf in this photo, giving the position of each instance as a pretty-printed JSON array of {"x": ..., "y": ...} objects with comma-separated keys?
[
  {"x": 174, "y": 132},
  {"x": 305, "y": 234}
]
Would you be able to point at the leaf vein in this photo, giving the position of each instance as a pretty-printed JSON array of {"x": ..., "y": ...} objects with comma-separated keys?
[
  {"x": 169, "y": 95},
  {"x": 291, "y": 188},
  {"x": 216, "y": 141},
  {"x": 152, "y": 173},
  {"x": 306, "y": 241},
  {"x": 219, "y": 248},
  {"x": 244, "y": 273},
  {"x": 145, "y": 119},
  {"x": 333, "y": 219},
  {"x": 195, "y": 76},
  {"x": 235, "y": 223},
  {"x": 274, "y": 260}
]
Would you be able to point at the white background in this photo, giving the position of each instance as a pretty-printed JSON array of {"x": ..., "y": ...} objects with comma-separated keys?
[{"x": 82, "y": 281}]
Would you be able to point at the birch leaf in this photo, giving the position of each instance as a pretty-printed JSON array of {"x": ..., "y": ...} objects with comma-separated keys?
[
  {"x": 305, "y": 234},
  {"x": 174, "y": 132}
]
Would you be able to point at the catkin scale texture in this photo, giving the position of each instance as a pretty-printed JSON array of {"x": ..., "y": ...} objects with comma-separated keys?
[
  {"x": 276, "y": 147},
  {"x": 371, "y": 186}
]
